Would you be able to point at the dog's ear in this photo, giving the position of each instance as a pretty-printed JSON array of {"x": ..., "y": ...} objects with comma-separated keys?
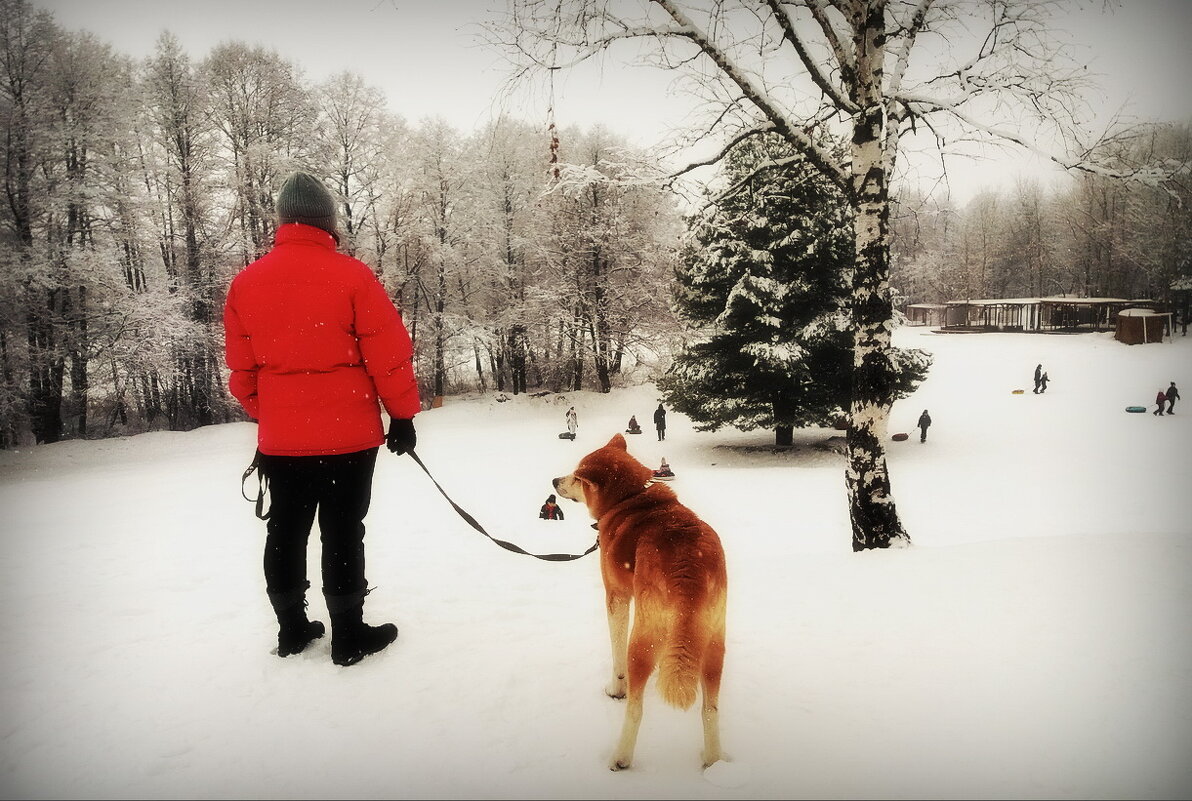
[{"x": 618, "y": 441}]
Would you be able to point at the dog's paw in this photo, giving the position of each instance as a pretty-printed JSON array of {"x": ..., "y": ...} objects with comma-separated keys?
[
  {"x": 615, "y": 689},
  {"x": 619, "y": 764}
]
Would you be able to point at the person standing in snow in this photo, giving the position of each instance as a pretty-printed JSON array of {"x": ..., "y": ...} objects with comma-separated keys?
[
  {"x": 1043, "y": 379},
  {"x": 660, "y": 422},
  {"x": 316, "y": 347},
  {"x": 1172, "y": 396},
  {"x": 923, "y": 424},
  {"x": 1038, "y": 377},
  {"x": 572, "y": 422}
]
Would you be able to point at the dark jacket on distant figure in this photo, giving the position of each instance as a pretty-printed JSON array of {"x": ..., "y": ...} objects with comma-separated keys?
[{"x": 550, "y": 510}]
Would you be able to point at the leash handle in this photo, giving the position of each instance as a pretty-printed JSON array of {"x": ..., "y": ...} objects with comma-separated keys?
[
  {"x": 509, "y": 546},
  {"x": 262, "y": 485}
]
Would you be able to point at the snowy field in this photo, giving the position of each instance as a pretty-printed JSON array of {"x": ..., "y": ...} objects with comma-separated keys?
[{"x": 1032, "y": 643}]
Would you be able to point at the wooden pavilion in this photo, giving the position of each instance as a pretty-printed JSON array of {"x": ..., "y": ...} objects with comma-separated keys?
[{"x": 1051, "y": 314}]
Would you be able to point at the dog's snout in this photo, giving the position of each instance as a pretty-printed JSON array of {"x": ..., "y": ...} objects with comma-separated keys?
[{"x": 554, "y": 482}]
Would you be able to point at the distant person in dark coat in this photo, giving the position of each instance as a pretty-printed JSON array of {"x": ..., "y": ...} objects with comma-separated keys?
[
  {"x": 1161, "y": 401},
  {"x": 1172, "y": 396},
  {"x": 550, "y": 510},
  {"x": 660, "y": 422},
  {"x": 924, "y": 422},
  {"x": 1043, "y": 379},
  {"x": 1038, "y": 377}
]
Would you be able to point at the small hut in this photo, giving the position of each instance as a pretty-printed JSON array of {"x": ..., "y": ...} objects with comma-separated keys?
[{"x": 1138, "y": 326}]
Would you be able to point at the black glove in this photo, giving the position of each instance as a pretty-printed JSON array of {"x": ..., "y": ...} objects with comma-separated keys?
[{"x": 401, "y": 438}]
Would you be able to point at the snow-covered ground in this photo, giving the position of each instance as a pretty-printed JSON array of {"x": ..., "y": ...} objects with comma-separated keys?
[{"x": 1033, "y": 643}]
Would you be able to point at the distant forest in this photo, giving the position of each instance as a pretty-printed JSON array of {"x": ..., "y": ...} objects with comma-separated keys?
[{"x": 1104, "y": 237}]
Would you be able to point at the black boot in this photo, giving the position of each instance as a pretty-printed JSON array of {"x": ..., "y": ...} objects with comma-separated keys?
[
  {"x": 294, "y": 631},
  {"x": 351, "y": 638}
]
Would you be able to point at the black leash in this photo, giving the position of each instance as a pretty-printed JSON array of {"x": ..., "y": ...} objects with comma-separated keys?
[
  {"x": 263, "y": 487},
  {"x": 509, "y": 546}
]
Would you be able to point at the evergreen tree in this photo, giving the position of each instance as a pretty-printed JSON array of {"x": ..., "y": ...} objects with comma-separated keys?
[{"x": 764, "y": 284}]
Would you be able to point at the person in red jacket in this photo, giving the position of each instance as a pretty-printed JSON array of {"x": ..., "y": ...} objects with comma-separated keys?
[
  {"x": 316, "y": 348},
  {"x": 1160, "y": 401}
]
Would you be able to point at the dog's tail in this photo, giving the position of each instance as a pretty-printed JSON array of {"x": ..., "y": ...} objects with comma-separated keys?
[
  {"x": 678, "y": 672},
  {"x": 682, "y": 655}
]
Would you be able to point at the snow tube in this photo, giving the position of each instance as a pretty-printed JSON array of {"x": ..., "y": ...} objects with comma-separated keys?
[
  {"x": 657, "y": 477},
  {"x": 1017, "y": 392},
  {"x": 627, "y": 431},
  {"x": 567, "y": 435},
  {"x": 900, "y": 437},
  {"x": 1135, "y": 409}
]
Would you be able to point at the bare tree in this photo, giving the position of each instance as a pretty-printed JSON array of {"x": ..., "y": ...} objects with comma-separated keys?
[
  {"x": 870, "y": 70},
  {"x": 180, "y": 130},
  {"x": 27, "y": 42},
  {"x": 266, "y": 117},
  {"x": 440, "y": 185},
  {"x": 351, "y": 137},
  {"x": 509, "y": 176}
]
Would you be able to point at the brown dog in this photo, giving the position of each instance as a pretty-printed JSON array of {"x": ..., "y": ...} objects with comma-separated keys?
[{"x": 657, "y": 553}]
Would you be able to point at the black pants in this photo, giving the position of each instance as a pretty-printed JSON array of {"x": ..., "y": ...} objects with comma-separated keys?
[{"x": 339, "y": 487}]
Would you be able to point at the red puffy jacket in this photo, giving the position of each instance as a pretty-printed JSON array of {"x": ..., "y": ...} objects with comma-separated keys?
[{"x": 313, "y": 341}]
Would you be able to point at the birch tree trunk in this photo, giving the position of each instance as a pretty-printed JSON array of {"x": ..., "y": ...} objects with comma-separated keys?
[{"x": 872, "y": 512}]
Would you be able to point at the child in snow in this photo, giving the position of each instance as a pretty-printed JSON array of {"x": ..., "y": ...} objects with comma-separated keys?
[
  {"x": 633, "y": 427},
  {"x": 664, "y": 470},
  {"x": 550, "y": 510},
  {"x": 1161, "y": 400}
]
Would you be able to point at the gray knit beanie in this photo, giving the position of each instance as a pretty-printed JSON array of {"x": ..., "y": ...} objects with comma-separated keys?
[{"x": 304, "y": 199}]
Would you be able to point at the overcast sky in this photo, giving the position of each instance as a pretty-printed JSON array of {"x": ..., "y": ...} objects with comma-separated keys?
[{"x": 426, "y": 56}]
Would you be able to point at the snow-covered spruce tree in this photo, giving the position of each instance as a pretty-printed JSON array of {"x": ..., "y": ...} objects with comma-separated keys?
[{"x": 763, "y": 284}]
